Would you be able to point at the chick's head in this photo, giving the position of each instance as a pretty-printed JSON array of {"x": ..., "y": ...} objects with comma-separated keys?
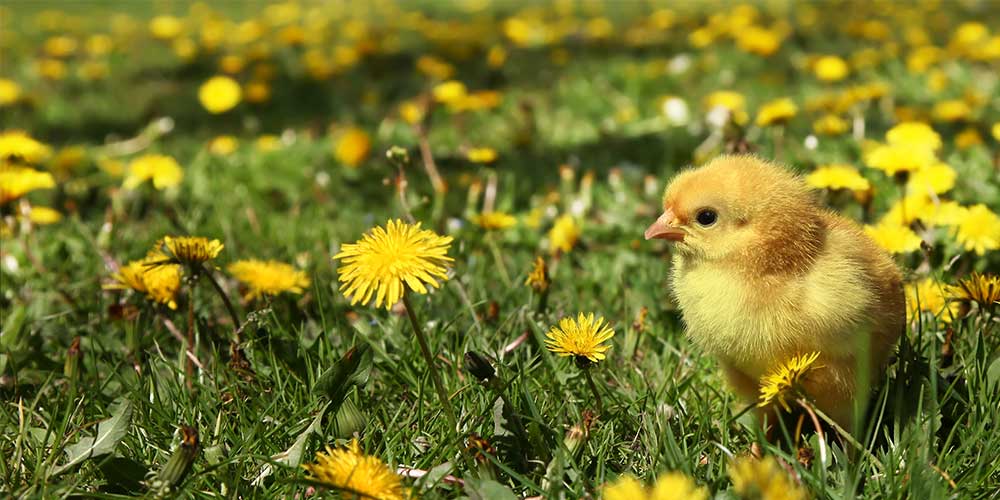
[{"x": 742, "y": 209}]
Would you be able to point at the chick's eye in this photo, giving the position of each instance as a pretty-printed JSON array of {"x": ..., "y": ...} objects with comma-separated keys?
[{"x": 707, "y": 217}]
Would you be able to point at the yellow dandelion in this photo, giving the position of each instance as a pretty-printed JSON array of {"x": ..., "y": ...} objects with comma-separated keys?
[
  {"x": 257, "y": 92},
  {"x": 449, "y": 92},
  {"x": 914, "y": 134},
  {"x": 983, "y": 289},
  {"x": 838, "y": 176},
  {"x": 894, "y": 158},
  {"x": 626, "y": 487},
  {"x": 946, "y": 213},
  {"x": 968, "y": 138},
  {"x": 677, "y": 486},
  {"x": 927, "y": 295},
  {"x": 895, "y": 238},
  {"x": 219, "y": 94},
  {"x": 995, "y": 131},
  {"x": 16, "y": 182},
  {"x": 908, "y": 209},
  {"x": 494, "y": 220},
  {"x": 951, "y": 110},
  {"x": 937, "y": 178},
  {"x": 268, "y": 277},
  {"x": 776, "y": 112},
  {"x": 356, "y": 475},
  {"x": 352, "y": 147},
  {"x": 538, "y": 278},
  {"x": 411, "y": 111},
  {"x": 669, "y": 486},
  {"x": 564, "y": 234},
  {"x": 44, "y": 216},
  {"x": 481, "y": 155},
  {"x": 192, "y": 250},
  {"x": 582, "y": 338},
  {"x": 162, "y": 170},
  {"x": 387, "y": 261},
  {"x": 17, "y": 145},
  {"x": 830, "y": 124},
  {"x": 765, "y": 479},
  {"x": 149, "y": 275},
  {"x": 786, "y": 380},
  {"x": 732, "y": 101},
  {"x": 979, "y": 231},
  {"x": 267, "y": 143},
  {"x": 165, "y": 27},
  {"x": 830, "y": 69},
  {"x": 223, "y": 145},
  {"x": 10, "y": 92}
]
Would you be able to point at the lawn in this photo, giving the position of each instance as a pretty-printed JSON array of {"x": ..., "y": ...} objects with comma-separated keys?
[{"x": 532, "y": 142}]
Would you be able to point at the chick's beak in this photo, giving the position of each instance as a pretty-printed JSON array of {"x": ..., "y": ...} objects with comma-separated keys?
[{"x": 666, "y": 227}]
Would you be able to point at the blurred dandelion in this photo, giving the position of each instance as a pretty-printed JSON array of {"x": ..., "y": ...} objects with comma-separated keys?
[
  {"x": 763, "y": 479},
  {"x": 355, "y": 474},
  {"x": 219, "y": 94},
  {"x": 668, "y": 486},
  {"x": 162, "y": 170},
  {"x": 192, "y": 250},
  {"x": 268, "y": 277}
]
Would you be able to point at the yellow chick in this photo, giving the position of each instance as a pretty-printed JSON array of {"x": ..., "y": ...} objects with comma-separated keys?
[{"x": 762, "y": 272}]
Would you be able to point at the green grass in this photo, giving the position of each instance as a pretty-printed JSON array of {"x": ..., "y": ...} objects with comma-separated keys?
[{"x": 931, "y": 434}]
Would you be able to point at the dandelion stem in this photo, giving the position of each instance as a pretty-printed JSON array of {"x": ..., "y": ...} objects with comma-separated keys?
[
  {"x": 425, "y": 350},
  {"x": 189, "y": 363},
  {"x": 226, "y": 301},
  {"x": 593, "y": 389},
  {"x": 498, "y": 257}
]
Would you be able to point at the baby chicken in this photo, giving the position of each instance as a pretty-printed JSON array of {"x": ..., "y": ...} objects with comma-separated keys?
[{"x": 761, "y": 273}]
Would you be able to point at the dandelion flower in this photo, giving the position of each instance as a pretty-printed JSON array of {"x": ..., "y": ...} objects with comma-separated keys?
[
  {"x": 352, "y": 147},
  {"x": 564, "y": 234},
  {"x": 938, "y": 178},
  {"x": 223, "y": 145},
  {"x": 43, "y": 216},
  {"x": 10, "y": 92},
  {"x": 449, "y": 92},
  {"x": 927, "y": 295},
  {"x": 776, "y": 112},
  {"x": 192, "y": 250},
  {"x": 980, "y": 230},
  {"x": 355, "y": 474},
  {"x": 626, "y": 487},
  {"x": 765, "y": 479},
  {"x": 18, "y": 145},
  {"x": 16, "y": 182},
  {"x": 160, "y": 282},
  {"x": 481, "y": 155},
  {"x": 838, "y": 176},
  {"x": 494, "y": 220},
  {"x": 165, "y": 27},
  {"x": 968, "y": 138},
  {"x": 582, "y": 338},
  {"x": 981, "y": 289},
  {"x": 894, "y": 158},
  {"x": 669, "y": 486},
  {"x": 219, "y": 94},
  {"x": 830, "y": 125},
  {"x": 538, "y": 278},
  {"x": 268, "y": 277},
  {"x": 387, "y": 260},
  {"x": 732, "y": 101},
  {"x": 163, "y": 170},
  {"x": 951, "y": 110},
  {"x": 830, "y": 69},
  {"x": 786, "y": 381},
  {"x": 995, "y": 131},
  {"x": 914, "y": 134},
  {"x": 895, "y": 238}
]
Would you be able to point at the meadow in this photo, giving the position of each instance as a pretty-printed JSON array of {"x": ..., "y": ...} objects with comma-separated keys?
[{"x": 212, "y": 282}]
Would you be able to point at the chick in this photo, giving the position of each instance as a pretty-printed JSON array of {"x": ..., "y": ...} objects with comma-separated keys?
[{"x": 762, "y": 272}]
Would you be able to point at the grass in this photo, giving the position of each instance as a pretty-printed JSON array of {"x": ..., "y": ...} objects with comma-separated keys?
[{"x": 931, "y": 432}]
